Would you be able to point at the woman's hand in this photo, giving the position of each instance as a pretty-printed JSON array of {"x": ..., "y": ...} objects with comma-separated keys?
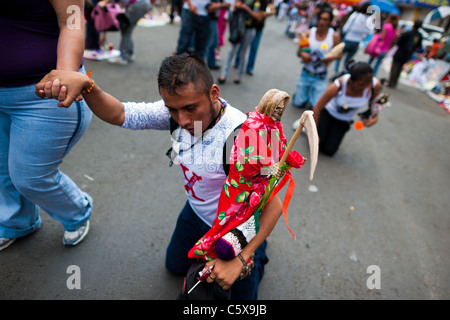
[
  {"x": 371, "y": 121},
  {"x": 63, "y": 85}
]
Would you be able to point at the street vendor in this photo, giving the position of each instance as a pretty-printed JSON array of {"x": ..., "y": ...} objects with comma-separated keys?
[{"x": 200, "y": 123}]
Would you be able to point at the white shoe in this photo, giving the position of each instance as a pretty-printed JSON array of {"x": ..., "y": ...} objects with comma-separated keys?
[
  {"x": 72, "y": 238},
  {"x": 6, "y": 242},
  {"x": 118, "y": 60},
  {"x": 296, "y": 124}
]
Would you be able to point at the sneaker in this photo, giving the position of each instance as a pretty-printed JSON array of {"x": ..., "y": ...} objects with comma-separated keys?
[
  {"x": 132, "y": 58},
  {"x": 118, "y": 60},
  {"x": 72, "y": 238},
  {"x": 6, "y": 242},
  {"x": 296, "y": 124}
]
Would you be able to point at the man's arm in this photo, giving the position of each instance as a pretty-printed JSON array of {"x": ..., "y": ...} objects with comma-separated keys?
[{"x": 67, "y": 85}]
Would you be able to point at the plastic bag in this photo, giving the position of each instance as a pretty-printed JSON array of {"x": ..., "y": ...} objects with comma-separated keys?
[
  {"x": 373, "y": 49},
  {"x": 105, "y": 19},
  {"x": 237, "y": 26}
]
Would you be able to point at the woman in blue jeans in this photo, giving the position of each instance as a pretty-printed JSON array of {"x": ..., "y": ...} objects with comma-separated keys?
[{"x": 35, "y": 134}]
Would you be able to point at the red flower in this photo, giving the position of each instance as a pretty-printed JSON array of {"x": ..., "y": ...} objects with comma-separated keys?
[
  {"x": 255, "y": 198},
  {"x": 294, "y": 159}
]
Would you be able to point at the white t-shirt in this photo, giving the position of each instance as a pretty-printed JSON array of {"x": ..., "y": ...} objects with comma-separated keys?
[
  {"x": 343, "y": 107},
  {"x": 319, "y": 49},
  {"x": 357, "y": 28},
  {"x": 200, "y": 160}
]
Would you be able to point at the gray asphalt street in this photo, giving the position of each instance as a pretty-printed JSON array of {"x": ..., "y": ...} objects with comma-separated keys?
[{"x": 382, "y": 200}]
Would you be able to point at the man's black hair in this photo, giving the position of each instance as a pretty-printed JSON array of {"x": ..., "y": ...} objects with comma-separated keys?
[{"x": 177, "y": 71}]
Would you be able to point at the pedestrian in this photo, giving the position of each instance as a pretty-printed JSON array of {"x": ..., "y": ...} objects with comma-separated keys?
[
  {"x": 222, "y": 24},
  {"x": 407, "y": 44},
  {"x": 134, "y": 10},
  {"x": 355, "y": 30},
  {"x": 435, "y": 47},
  {"x": 250, "y": 65},
  {"x": 312, "y": 81},
  {"x": 194, "y": 27},
  {"x": 200, "y": 123},
  {"x": 388, "y": 33},
  {"x": 35, "y": 135},
  {"x": 336, "y": 108},
  {"x": 214, "y": 8},
  {"x": 175, "y": 7},
  {"x": 92, "y": 41},
  {"x": 254, "y": 13}
]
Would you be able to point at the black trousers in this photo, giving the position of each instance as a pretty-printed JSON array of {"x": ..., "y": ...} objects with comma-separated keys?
[
  {"x": 331, "y": 133},
  {"x": 396, "y": 69}
]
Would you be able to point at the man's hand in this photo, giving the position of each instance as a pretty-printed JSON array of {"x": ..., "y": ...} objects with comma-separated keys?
[{"x": 224, "y": 273}]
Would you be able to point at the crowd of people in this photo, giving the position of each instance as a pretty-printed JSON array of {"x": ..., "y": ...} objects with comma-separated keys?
[{"x": 30, "y": 154}]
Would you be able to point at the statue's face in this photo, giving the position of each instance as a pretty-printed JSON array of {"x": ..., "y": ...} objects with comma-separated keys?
[{"x": 278, "y": 111}]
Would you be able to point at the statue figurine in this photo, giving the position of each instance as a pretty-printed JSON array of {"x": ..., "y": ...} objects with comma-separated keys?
[{"x": 254, "y": 160}]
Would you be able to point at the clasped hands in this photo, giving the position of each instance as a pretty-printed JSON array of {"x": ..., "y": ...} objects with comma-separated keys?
[{"x": 63, "y": 85}]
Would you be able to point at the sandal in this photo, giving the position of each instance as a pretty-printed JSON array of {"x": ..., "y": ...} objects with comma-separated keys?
[
  {"x": 221, "y": 80},
  {"x": 237, "y": 80}
]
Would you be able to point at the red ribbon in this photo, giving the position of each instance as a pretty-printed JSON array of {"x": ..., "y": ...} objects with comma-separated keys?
[{"x": 288, "y": 196}]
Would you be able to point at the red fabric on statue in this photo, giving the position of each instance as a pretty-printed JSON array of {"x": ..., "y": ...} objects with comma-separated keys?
[{"x": 259, "y": 142}]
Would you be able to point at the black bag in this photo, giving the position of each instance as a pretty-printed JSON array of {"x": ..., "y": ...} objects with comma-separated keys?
[
  {"x": 205, "y": 290},
  {"x": 237, "y": 26}
]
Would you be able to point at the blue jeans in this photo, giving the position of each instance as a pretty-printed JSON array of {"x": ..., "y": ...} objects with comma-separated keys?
[
  {"x": 212, "y": 44},
  {"x": 191, "y": 25},
  {"x": 35, "y": 136},
  {"x": 242, "y": 46},
  {"x": 252, "y": 54},
  {"x": 350, "y": 49},
  {"x": 188, "y": 230},
  {"x": 309, "y": 88},
  {"x": 378, "y": 63}
]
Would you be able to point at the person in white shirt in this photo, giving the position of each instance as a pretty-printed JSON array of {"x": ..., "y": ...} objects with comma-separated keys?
[
  {"x": 355, "y": 30},
  {"x": 200, "y": 122},
  {"x": 339, "y": 104}
]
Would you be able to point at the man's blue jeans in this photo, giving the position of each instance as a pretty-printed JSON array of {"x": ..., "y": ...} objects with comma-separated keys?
[
  {"x": 378, "y": 63},
  {"x": 212, "y": 44},
  {"x": 309, "y": 88},
  {"x": 188, "y": 230},
  {"x": 194, "y": 28},
  {"x": 35, "y": 136}
]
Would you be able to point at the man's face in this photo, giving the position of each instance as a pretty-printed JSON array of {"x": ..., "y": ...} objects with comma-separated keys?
[{"x": 189, "y": 106}]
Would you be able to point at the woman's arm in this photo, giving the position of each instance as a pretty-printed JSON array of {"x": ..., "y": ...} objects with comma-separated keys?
[
  {"x": 376, "y": 91},
  {"x": 70, "y": 47},
  {"x": 225, "y": 273},
  {"x": 331, "y": 92},
  {"x": 259, "y": 16}
]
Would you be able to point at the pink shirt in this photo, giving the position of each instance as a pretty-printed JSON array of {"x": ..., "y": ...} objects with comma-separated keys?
[{"x": 390, "y": 35}]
